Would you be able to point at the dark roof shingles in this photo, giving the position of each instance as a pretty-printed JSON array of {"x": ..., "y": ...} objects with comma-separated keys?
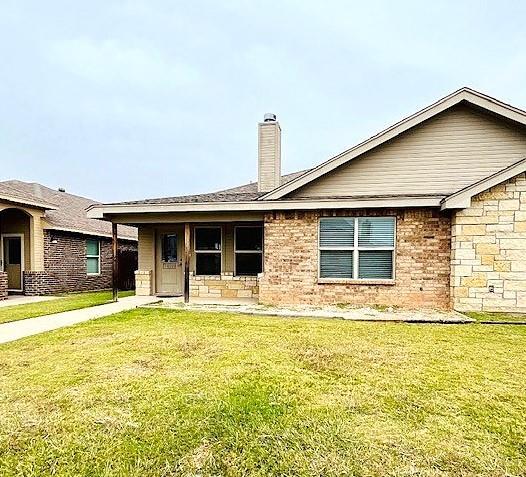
[{"x": 70, "y": 212}]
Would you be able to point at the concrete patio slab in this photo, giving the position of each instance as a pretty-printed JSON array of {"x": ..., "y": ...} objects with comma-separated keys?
[
  {"x": 13, "y": 300},
  {"x": 19, "y": 329},
  {"x": 343, "y": 312}
]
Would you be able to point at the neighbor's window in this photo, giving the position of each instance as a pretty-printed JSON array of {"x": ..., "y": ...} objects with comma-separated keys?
[
  {"x": 248, "y": 248},
  {"x": 169, "y": 248},
  {"x": 358, "y": 248},
  {"x": 92, "y": 257},
  {"x": 207, "y": 250}
]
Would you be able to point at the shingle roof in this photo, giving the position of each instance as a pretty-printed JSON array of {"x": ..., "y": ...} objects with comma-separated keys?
[
  {"x": 67, "y": 211},
  {"x": 241, "y": 193}
]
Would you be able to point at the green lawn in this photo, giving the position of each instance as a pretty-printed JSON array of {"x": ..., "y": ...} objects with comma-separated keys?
[
  {"x": 496, "y": 316},
  {"x": 72, "y": 301},
  {"x": 159, "y": 393}
]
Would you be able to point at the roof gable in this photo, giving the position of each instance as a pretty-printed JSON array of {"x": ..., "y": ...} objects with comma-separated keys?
[{"x": 464, "y": 95}]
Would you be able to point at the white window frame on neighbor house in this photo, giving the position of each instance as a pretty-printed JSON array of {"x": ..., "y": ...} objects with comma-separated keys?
[
  {"x": 93, "y": 256},
  {"x": 236, "y": 251},
  {"x": 355, "y": 248},
  {"x": 215, "y": 252}
]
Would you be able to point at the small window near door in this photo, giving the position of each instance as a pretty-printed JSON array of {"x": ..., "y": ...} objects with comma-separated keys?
[
  {"x": 248, "y": 243},
  {"x": 93, "y": 257},
  {"x": 207, "y": 250},
  {"x": 169, "y": 248}
]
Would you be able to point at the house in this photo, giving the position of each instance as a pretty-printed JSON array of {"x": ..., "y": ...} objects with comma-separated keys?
[
  {"x": 48, "y": 245},
  {"x": 430, "y": 212}
]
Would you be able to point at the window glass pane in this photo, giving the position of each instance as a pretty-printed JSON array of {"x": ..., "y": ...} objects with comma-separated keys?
[
  {"x": 92, "y": 247},
  {"x": 336, "y": 232},
  {"x": 249, "y": 238},
  {"x": 208, "y": 238},
  {"x": 92, "y": 265},
  {"x": 336, "y": 263},
  {"x": 15, "y": 251},
  {"x": 376, "y": 232},
  {"x": 375, "y": 264},
  {"x": 208, "y": 263},
  {"x": 169, "y": 248},
  {"x": 249, "y": 263}
]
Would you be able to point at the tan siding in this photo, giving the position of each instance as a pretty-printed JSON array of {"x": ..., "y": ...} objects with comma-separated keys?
[
  {"x": 269, "y": 160},
  {"x": 441, "y": 156},
  {"x": 146, "y": 248}
]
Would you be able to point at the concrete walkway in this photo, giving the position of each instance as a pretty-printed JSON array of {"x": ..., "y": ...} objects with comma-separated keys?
[{"x": 19, "y": 329}]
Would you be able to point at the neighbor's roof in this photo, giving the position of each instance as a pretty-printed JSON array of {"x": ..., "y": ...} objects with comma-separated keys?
[{"x": 63, "y": 211}]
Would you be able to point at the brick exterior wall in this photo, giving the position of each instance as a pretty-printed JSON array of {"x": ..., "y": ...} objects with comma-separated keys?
[
  {"x": 65, "y": 265},
  {"x": 422, "y": 264},
  {"x": 225, "y": 286},
  {"x": 488, "y": 269},
  {"x": 3, "y": 285}
]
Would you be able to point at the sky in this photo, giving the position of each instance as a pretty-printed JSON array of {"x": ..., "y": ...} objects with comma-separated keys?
[{"x": 122, "y": 100}]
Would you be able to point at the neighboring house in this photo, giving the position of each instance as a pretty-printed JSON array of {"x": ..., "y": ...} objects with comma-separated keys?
[
  {"x": 430, "y": 212},
  {"x": 48, "y": 245}
]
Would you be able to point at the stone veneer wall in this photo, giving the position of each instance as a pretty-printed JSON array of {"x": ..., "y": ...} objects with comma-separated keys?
[
  {"x": 143, "y": 282},
  {"x": 224, "y": 286},
  {"x": 489, "y": 250},
  {"x": 3, "y": 285},
  {"x": 422, "y": 266}
]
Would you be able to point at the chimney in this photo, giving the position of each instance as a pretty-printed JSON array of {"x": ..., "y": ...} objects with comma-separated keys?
[{"x": 269, "y": 153}]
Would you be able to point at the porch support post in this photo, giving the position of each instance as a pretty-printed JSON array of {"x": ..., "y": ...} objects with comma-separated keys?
[
  {"x": 115, "y": 263},
  {"x": 186, "y": 262}
]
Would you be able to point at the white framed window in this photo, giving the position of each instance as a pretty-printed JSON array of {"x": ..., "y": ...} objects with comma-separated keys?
[
  {"x": 359, "y": 248},
  {"x": 208, "y": 244},
  {"x": 248, "y": 250},
  {"x": 92, "y": 257}
]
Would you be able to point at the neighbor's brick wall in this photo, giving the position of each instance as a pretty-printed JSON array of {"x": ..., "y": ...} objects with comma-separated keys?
[
  {"x": 422, "y": 264},
  {"x": 65, "y": 265},
  {"x": 224, "y": 286},
  {"x": 3, "y": 285},
  {"x": 489, "y": 249}
]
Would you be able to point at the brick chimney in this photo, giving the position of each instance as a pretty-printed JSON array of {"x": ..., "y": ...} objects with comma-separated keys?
[{"x": 269, "y": 153}]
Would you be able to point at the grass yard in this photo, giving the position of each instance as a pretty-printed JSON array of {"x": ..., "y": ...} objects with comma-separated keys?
[
  {"x": 69, "y": 302},
  {"x": 157, "y": 392},
  {"x": 496, "y": 316}
]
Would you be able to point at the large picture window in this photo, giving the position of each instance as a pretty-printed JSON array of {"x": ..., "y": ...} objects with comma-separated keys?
[
  {"x": 207, "y": 246},
  {"x": 248, "y": 249},
  {"x": 92, "y": 257},
  {"x": 357, "y": 247}
]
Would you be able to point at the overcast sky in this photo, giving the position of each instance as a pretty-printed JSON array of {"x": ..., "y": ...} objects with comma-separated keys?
[{"x": 121, "y": 100}]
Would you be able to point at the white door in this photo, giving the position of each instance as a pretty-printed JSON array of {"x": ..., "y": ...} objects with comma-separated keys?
[
  {"x": 12, "y": 258},
  {"x": 169, "y": 266}
]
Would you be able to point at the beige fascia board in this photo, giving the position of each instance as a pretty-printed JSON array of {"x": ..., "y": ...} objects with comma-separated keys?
[
  {"x": 101, "y": 212},
  {"x": 462, "y": 198},
  {"x": 23, "y": 202},
  {"x": 86, "y": 232},
  {"x": 465, "y": 94}
]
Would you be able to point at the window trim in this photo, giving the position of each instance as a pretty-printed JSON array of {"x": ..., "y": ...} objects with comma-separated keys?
[
  {"x": 220, "y": 251},
  {"x": 260, "y": 252},
  {"x": 356, "y": 251},
  {"x": 93, "y": 274}
]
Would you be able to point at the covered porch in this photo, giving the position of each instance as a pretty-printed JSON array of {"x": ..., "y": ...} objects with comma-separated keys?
[
  {"x": 208, "y": 259},
  {"x": 21, "y": 247}
]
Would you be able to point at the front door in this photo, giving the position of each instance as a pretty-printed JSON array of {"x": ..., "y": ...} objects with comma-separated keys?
[
  {"x": 13, "y": 260},
  {"x": 169, "y": 269}
]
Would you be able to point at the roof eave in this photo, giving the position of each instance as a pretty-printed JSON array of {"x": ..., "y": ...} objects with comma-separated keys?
[
  {"x": 105, "y": 211},
  {"x": 30, "y": 203}
]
